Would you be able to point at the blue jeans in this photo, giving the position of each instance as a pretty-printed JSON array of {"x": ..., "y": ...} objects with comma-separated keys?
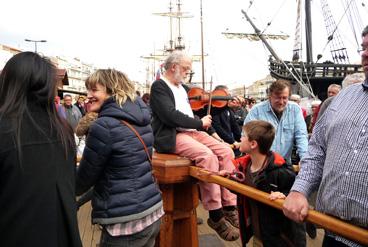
[{"x": 144, "y": 238}]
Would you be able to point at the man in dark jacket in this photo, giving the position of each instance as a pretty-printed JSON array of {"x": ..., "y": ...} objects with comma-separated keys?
[
  {"x": 225, "y": 124},
  {"x": 175, "y": 131}
]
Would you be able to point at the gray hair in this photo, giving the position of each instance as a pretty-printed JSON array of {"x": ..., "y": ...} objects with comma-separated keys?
[
  {"x": 352, "y": 79},
  {"x": 316, "y": 103},
  {"x": 175, "y": 58},
  {"x": 335, "y": 86},
  {"x": 295, "y": 97},
  {"x": 221, "y": 87}
]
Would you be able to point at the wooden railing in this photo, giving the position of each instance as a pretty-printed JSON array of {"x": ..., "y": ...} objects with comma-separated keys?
[
  {"x": 316, "y": 70},
  {"x": 180, "y": 195},
  {"x": 327, "y": 222}
]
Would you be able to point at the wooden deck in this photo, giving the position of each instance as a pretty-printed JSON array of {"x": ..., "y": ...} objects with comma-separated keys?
[{"x": 90, "y": 234}]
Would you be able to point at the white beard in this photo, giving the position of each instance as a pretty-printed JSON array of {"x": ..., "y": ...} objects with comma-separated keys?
[{"x": 177, "y": 76}]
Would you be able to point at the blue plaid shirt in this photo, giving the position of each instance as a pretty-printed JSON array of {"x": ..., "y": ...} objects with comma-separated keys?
[
  {"x": 289, "y": 129},
  {"x": 337, "y": 160}
]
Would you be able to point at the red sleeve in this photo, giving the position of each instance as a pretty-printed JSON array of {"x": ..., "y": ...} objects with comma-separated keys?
[{"x": 241, "y": 163}]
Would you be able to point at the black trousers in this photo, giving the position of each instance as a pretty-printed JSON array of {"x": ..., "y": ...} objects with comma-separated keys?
[{"x": 331, "y": 242}]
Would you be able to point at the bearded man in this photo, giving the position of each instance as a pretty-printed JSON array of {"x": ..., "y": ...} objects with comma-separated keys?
[{"x": 176, "y": 130}]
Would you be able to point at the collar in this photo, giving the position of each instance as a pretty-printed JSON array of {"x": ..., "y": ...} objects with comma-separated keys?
[
  {"x": 365, "y": 85},
  {"x": 168, "y": 82}
]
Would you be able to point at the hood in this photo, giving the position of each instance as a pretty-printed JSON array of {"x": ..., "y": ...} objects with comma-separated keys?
[
  {"x": 135, "y": 112},
  {"x": 275, "y": 161}
]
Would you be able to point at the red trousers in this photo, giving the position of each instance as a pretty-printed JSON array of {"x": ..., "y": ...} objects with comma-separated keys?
[{"x": 212, "y": 155}]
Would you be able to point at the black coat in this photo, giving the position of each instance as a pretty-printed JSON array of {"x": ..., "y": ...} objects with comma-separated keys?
[
  {"x": 166, "y": 118},
  {"x": 115, "y": 163},
  {"x": 225, "y": 124},
  {"x": 275, "y": 229},
  {"x": 37, "y": 196}
]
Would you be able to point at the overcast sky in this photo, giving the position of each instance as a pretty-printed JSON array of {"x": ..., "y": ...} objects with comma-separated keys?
[{"x": 116, "y": 33}]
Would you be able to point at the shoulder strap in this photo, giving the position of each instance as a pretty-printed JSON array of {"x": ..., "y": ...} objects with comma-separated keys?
[{"x": 139, "y": 137}]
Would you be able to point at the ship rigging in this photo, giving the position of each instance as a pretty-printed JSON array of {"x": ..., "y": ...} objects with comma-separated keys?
[{"x": 313, "y": 76}]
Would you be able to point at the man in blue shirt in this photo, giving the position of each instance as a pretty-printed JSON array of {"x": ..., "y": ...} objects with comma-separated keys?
[{"x": 286, "y": 117}]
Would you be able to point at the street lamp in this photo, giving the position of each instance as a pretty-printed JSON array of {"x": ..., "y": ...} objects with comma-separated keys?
[{"x": 35, "y": 42}]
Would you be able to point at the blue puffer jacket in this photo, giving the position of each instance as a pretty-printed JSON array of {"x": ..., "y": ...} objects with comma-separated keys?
[{"x": 115, "y": 163}]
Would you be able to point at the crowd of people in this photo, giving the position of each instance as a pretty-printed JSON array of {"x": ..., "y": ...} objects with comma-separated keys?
[{"x": 40, "y": 180}]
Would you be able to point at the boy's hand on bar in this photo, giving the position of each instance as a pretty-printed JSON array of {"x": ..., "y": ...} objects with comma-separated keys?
[{"x": 276, "y": 195}]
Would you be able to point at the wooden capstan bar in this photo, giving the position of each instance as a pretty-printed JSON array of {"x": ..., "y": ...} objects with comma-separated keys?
[
  {"x": 176, "y": 177},
  {"x": 180, "y": 198},
  {"x": 327, "y": 222}
]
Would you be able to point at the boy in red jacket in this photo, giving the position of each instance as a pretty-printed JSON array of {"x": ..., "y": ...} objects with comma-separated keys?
[{"x": 266, "y": 171}]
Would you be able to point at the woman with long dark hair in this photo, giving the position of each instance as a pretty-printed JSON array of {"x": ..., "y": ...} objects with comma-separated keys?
[{"x": 37, "y": 158}]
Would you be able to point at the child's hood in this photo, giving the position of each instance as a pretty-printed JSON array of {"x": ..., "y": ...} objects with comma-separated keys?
[{"x": 275, "y": 161}]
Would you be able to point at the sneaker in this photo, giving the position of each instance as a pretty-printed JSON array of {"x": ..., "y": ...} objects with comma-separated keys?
[
  {"x": 232, "y": 217},
  {"x": 224, "y": 229}
]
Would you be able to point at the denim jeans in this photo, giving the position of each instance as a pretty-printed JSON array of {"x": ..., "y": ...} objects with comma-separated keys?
[{"x": 144, "y": 238}]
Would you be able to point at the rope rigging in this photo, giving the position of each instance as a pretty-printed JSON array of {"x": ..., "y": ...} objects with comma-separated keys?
[
  {"x": 365, "y": 7},
  {"x": 355, "y": 21},
  {"x": 303, "y": 85},
  {"x": 270, "y": 22},
  {"x": 297, "y": 51},
  {"x": 301, "y": 72},
  {"x": 337, "y": 48}
]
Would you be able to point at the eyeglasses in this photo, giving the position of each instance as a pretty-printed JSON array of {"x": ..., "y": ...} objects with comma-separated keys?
[
  {"x": 186, "y": 68},
  {"x": 279, "y": 98}
]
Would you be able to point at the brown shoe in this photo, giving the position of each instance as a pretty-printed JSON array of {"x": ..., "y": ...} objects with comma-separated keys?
[
  {"x": 232, "y": 217},
  {"x": 224, "y": 229}
]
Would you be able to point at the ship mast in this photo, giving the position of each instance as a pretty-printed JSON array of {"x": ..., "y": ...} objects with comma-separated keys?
[
  {"x": 171, "y": 42},
  {"x": 307, "y": 88},
  {"x": 202, "y": 49},
  {"x": 176, "y": 40},
  {"x": 308, "y": 31},
  {"x": 178, "y": 43},
  {"x": 260, "y": 35}
]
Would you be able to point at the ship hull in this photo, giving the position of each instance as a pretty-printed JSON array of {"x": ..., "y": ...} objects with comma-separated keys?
[{"x": 319, "y": 75}]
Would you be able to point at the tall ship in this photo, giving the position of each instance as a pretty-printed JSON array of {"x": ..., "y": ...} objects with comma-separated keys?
[
  {"x": 312, "y": 75},
  {"x": 176, "y": 41}
]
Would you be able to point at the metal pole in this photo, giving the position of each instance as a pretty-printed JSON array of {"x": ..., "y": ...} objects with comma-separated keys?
[
  {"x": 308, "y": 27},
  {"x": 35, "y": 42},
  {"x": 260, "y": 35},
  {"x": 202, "y": 49}
]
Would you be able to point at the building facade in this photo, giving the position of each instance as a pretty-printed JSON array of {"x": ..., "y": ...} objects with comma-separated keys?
[{"x": 257, "y": 90}]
